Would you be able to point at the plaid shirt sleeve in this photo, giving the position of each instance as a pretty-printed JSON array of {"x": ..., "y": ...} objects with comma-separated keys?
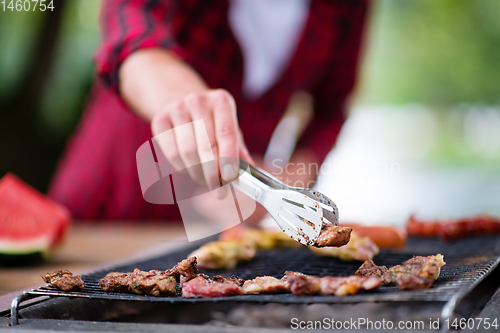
[
  {"x": 332, "y": 92},
  {"x": 127, "y": 26}
]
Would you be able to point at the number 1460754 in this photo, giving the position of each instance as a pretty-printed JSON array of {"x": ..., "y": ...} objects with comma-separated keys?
[{"x": 27, "y": 5}]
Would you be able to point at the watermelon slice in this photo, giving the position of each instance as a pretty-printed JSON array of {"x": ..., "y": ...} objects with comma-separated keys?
[{"x": 30, "y": 223}]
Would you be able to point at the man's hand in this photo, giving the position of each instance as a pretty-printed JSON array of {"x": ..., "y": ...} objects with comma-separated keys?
[
  {"x": 218, "y": 111},
  {"x": 165, "y": 91}
]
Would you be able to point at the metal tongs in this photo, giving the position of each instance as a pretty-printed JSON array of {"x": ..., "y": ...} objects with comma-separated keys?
[{"x": 299, "y": 212}]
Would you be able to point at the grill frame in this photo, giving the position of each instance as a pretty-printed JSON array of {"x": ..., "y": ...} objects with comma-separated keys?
[{"x": 468, "y": 263}]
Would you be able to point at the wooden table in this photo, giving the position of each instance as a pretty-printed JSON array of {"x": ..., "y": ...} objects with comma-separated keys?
[{"x": 89, "y": 245}]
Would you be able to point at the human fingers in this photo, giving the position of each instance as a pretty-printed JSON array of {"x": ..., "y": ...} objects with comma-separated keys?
[
  {"x": 185, "y": 140},
  {"x": 163, "y": 134},
  {"x": 204, "y": 130},
  {"x": 226, "y": 133}
]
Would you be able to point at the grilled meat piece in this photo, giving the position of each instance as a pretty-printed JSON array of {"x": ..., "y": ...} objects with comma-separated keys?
[
  {"x": 370, "y": 269},
  {"x": 266, "y": 285},
  {"x": 427, "y": 268},
  {"x": 359, "y": 248},
  {"x": 342, "y": 286},
  {"x": 303, "y": 285},
  {"x": 413, "y": 282},
  {"x": 185, "y": 270},
  {"x": 233, "y": 279},
  {"x": 332, "y": 235},
  {"x": 223, "y": 254},
  {"x": 154, "y": 282},
  {"x": 115, "y": 281},
  {"x": 202, "y": 286},
  {"x": 64, "y": 280}
]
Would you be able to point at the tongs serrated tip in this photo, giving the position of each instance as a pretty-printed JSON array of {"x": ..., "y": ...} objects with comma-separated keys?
[{"x": 300, "y": 213}]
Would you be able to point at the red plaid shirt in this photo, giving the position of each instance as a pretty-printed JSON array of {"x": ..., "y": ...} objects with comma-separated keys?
[{"x": 97, "y": 177}]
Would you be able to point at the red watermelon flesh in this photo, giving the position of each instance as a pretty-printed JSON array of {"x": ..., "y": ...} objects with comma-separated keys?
[{"x": 29, "y": 222}]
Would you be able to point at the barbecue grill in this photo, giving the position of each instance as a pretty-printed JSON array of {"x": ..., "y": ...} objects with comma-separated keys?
[{"x": 468, "y": 262}]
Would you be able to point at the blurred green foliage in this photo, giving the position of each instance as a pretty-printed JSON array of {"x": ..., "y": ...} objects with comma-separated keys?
[
  {"x": 46, "y": 72},
  {"x": 71, "y": 69},
  {"x": 432, "y": 52}
]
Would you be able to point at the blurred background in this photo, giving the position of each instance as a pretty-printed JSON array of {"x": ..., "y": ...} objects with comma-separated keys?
[{"x": 423, "y": 135}]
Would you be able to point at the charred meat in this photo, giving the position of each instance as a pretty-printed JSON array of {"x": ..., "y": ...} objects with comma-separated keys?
[
  {"x": 64, "y": 280},
  {"x": 414, "y": 282},
  {"x": 233, "y": 279},
  {"x": 154, "y": 282},
  {"x": 370, "y": 269},
  {"x": 115, "y": 281},
  {"x": 303, "y": 285},
  {"x": 415, "y": 273},
  {"x": 426, "y": 267},
  {"x": 186, "y": 270},
  {"x": 332, "y": 235},
  {"x": 342, "y": 286},
  {"x": 266, "y": 285},
  {"x": 359, "y": 248},
  {"x": 203, "y": 286}
]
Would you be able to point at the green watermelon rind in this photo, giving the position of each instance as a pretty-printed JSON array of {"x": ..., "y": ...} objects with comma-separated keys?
[
  {"x": 22, "y": 244},
  {"x": 26, "y": 246},
  {"x": 20, "y": 253},
  {"x": 22, "y": 259}
]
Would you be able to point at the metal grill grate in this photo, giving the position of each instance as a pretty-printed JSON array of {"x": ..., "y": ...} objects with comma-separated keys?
[{"x": 467, "y": 263}]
